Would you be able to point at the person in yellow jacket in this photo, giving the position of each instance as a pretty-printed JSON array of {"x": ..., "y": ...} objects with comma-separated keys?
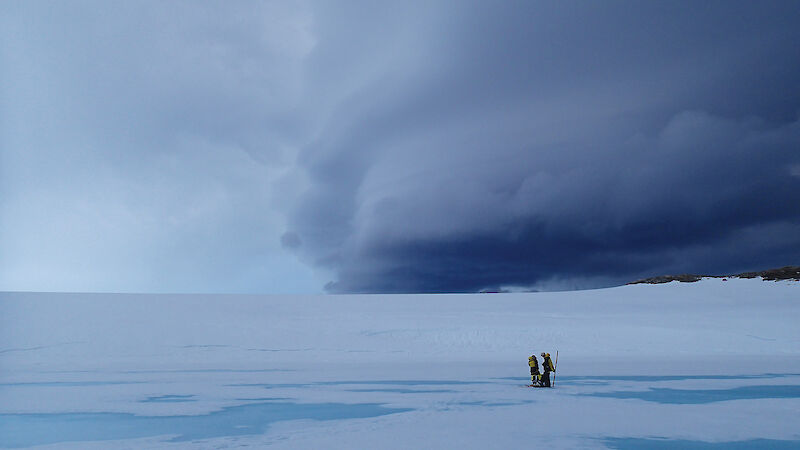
[
  {"x": 534, "y": 364},
  {"x": 547, "y": 366}
]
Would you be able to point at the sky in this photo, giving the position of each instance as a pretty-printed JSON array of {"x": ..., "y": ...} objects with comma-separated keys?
[{"x": 386, "y": 147}]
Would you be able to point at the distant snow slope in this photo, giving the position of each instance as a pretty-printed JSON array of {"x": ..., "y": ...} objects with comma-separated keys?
[{"x": 438, "y": 370}]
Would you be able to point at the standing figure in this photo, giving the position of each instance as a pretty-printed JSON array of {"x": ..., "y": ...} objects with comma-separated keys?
[
  {"x": 534, "y": 363},
  {"x": 547, "y": 366}
]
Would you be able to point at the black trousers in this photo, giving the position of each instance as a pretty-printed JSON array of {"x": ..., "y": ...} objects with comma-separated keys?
[{"x": 546, "y": 379}]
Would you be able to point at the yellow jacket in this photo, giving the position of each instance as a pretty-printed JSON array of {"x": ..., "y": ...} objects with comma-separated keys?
[
  {"x": 533, "y": 362},
  {"x": 548, "y": 363}
]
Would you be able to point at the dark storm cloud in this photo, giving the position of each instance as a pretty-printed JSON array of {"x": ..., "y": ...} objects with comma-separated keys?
[
  {"x": 394, "y": 146},
  {"x": 560, "y": 144}
]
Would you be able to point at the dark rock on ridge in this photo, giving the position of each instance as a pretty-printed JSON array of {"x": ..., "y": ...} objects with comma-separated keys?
[{"x": 783, "y": 273}]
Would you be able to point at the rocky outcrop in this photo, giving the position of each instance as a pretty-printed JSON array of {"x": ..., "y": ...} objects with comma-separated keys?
[{"x": 784, "y": 273}]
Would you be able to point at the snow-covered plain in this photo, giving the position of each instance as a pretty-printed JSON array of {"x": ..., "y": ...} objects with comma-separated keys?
[{"x": 713, "y": 364}]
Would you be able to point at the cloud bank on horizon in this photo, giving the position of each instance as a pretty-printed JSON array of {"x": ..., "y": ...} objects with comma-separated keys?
[{"x": 385, "y": 147}]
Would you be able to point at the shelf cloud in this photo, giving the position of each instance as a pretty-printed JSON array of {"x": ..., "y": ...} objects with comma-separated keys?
[{"x": 395, "y": 147}]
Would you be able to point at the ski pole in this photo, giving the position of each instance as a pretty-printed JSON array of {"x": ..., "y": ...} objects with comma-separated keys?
[{"x": 555, "y": 367}]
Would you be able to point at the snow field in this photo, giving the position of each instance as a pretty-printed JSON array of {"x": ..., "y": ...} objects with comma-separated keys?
[{"x": 714, "y": 361}]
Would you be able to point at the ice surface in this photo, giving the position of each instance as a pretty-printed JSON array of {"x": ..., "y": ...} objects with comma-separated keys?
[
  {"x": 695, "y": 396},
  {"x": 713, "y": 364},
  {"x": 24, "y": 430},
  {"x": 669, "y": 444}
]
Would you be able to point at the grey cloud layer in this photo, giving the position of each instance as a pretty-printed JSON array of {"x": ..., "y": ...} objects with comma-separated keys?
[{"x": 142, "y": 144}]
